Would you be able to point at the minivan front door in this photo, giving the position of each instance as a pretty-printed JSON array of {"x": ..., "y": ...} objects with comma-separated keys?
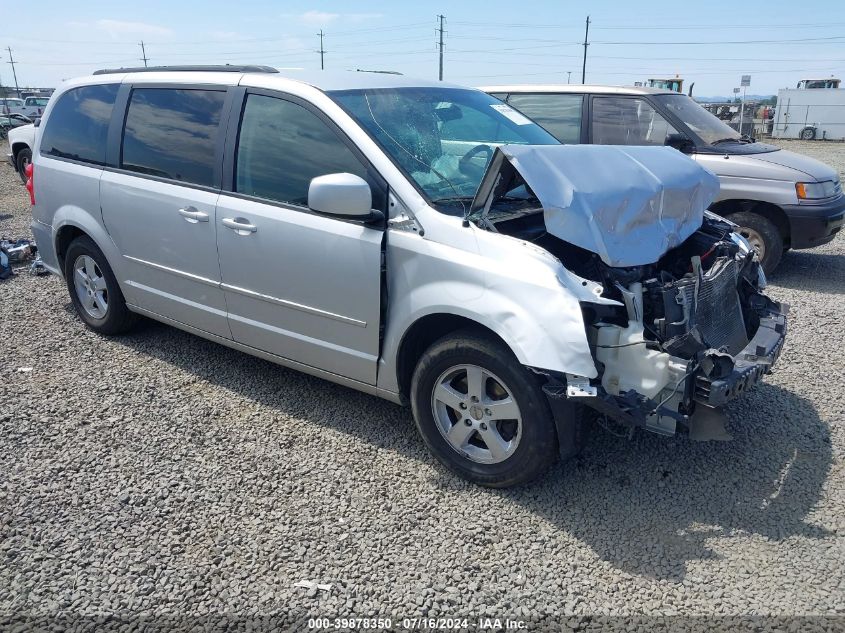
[
  {"x": 298, "y": 284},
  {"x": 159, "y": 206}
]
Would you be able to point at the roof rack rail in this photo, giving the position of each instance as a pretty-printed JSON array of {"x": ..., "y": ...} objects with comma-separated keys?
[{"x": 222, "y": 68}]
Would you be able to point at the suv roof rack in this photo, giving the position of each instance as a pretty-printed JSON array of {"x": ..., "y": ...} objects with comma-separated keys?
[{"x": 222, "y": 68}]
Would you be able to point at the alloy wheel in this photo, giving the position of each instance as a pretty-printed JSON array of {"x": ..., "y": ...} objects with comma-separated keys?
[
  {"x": 90, "y": 286},
  {"x": 477, "y": 414}
]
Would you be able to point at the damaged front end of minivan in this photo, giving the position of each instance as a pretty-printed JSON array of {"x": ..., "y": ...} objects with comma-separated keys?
[{"x": 688, "y": 328}]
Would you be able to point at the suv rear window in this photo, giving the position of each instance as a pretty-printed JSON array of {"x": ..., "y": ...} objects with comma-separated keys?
[
  {"x": 172, "y": 133},
  {"x": 560, "y": 114},
  {"x": 79, "y": 123}
]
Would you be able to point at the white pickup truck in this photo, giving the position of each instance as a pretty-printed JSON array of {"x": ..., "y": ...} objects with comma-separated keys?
[{"x": 30, "y": 106}]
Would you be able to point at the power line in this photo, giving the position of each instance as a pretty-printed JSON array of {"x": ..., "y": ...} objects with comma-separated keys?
[
  {"x": 643, "y": 27},
  {"x": 840, "y": 39}
]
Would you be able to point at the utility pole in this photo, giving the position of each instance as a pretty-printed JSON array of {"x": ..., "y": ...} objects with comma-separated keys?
[
  {"x": 568, "y": 75},
  {"x": 14, "y": 74},
  {"x": 144, "y": 59},
  {"x": 441, "y": 17},
  {"x": 321, "y": 51},
  {"x": 586, "y": 44}
]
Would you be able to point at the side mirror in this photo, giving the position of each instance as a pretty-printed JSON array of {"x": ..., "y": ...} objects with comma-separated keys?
[
  {"x": 342, "y": 195},
  {"x": 679, "y": 141}
]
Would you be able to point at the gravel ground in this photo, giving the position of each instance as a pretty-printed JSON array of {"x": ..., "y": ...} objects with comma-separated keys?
[{"x": 158, "y": 475}]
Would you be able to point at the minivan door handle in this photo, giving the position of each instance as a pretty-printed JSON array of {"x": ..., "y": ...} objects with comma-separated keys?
[
  {"x": 192, "y": 215},
  {"x": 241, "y": 226}
]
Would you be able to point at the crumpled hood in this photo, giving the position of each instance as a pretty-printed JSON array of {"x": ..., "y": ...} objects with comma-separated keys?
[{"x": 627, "y": 204}]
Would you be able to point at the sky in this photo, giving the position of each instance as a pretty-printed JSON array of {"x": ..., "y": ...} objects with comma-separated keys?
[{"x": 485, "y": 42}]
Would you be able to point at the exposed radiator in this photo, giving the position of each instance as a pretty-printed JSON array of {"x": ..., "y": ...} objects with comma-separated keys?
[{"x": 717, "y": 312}]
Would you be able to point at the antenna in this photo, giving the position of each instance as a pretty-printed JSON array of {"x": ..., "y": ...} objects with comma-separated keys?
[{"x": 144, "y": 59}]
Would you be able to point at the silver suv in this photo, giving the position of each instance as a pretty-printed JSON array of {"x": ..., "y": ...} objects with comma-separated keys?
[
  {"x": 780, "y": 199},
  {"x": 417, "y": 241}
]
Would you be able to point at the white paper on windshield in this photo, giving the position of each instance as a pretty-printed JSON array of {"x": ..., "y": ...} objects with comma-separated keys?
[{"x": 513, "y": 115}]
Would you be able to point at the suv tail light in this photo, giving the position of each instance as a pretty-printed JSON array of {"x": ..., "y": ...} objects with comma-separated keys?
[{"x": 30, "y": 174}]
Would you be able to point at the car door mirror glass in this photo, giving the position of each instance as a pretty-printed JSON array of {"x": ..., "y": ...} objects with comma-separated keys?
[{"x": 343, "y": 194}]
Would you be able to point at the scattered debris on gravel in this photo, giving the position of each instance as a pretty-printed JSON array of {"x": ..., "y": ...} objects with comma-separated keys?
[{"x": 164, "y": 476}]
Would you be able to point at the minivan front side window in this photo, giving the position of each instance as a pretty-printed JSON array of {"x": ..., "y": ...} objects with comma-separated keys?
[
  {"x": 560, "y": 114},
  {"x": 282, "y": 146},
  {"x": 628, "y": 121},
  {"x": 699, "y": 120},
  {"x": 79, "y": 123},
  {"x": 441, "y": 137},
  {"x": 171, "y": 133}
]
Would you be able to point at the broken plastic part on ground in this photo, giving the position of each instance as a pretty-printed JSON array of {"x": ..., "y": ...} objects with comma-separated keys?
[{"x": 14, "y": 252}]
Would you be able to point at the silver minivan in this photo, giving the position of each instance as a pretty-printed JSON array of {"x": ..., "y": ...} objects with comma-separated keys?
[
  {"x": 414, "y": 240},
  {"x": 780, "y": 199}
]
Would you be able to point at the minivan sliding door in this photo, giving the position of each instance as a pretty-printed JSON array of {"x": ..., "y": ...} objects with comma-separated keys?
[
  {"x": 158, "y": 205},
  {"x": 300, "y": 285}
]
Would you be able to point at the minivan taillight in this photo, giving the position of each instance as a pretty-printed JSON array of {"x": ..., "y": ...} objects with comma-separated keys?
[{"x": 30, "y": 174}]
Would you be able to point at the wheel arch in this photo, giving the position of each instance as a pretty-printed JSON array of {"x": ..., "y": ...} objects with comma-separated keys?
[
  {"x": 423, "y": 333},
  {"x": 70, "y": 222},
  {"x": 64, "y": 236},
  {"x": 17, "y": 147},
  {"x": 768, "y": 210}
]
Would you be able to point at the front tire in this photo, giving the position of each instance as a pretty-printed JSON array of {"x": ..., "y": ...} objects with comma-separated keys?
[
  {"x": 94, "y": 290},
  {"x": 481, "y": 413},
  {"x": 23, "y": 159},
  {"x": 808, "y": 134},
  {"x": 763, "y": 236}
]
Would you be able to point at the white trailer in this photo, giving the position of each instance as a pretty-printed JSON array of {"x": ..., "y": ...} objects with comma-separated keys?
[{"x": 808, "y": 113}]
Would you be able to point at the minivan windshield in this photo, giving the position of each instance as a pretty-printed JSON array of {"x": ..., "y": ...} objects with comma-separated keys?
[
  {"x": 443, "y": 138},
  {"x": 708, "y": 127}
]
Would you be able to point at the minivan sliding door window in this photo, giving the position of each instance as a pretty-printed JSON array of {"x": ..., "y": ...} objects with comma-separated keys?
[
  {"x": 559, "y": 114},
  {"x": 172, "y": 133},
  {"x": 628, "y": 121}
]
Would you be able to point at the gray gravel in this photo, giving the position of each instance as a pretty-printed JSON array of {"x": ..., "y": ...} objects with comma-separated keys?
[{"x": 160, "y": 475}]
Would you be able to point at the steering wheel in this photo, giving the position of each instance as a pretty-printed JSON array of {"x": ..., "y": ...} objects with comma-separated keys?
[{"x": 465, "y": 164}]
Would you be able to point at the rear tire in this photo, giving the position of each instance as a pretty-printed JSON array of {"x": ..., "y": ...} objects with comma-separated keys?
[
  {"x": 481, "y": 413},
  {"x": 808, "y": 134},
  {"x": 763, "y": 235},
  {"x": 23, "y": 159},
  {"x": 94, "y": 290}
]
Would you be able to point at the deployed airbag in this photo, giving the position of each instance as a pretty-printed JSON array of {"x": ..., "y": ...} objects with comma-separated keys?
[{"x": 627, "y": 204}]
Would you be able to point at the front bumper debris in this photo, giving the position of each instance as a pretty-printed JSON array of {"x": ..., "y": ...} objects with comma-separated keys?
[
  {"x": 708, "y": 384},
  {"x": 750, "y": 364}
]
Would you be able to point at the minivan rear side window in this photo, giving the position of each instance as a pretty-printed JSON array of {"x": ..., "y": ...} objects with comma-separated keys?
[
  {"x": 628, "y": 121},
  {"x": 79, "y": 123},
  {"x": 172, "y": 133},
  {"x": 282, "y": 146},
  {"x": 560, "y": 114}
]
